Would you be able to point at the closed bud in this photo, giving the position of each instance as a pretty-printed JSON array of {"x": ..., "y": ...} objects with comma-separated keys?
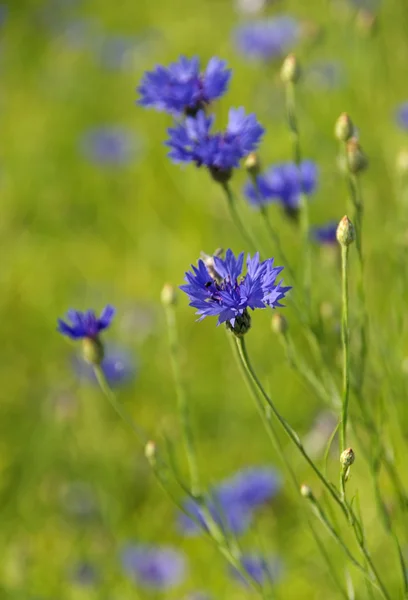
[
  {"x": 168, "y": 295},
  {"x": 347, "y": 458},
  {"x": 290, "y": 71},
  {"x": 253, "y": 164},
  {"x": 344, "y": 128},
  {"x": 242, "y": 324},
  {"x": 92, "y": 350},
  {"x": 357, "y": 160},
  {"x": 220, "y": 175},
  {"x": 306, "y": 491},
  {"x": 150, "y": 452},
  {"x": 346, "y": 234},
  {"x": 279, "y": 324}
]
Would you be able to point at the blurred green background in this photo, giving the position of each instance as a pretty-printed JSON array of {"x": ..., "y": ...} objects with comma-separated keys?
[{"x": 79, "y": 233}]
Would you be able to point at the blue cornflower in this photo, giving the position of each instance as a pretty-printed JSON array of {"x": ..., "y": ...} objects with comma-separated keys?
[
  {"x": 260, "y": 569},
  {"x": 229, "y": 515},
  {"x": 325, "y": 234},
  {"x": 182, "y": 88},
  {"x": 267, "y": 39},
  {"x": 229, "y": 295},
  {"x": 284, "y": 183},
  {"x": 117, "y": 366},
  {"x": 155, "y": 567},
  {"x": 85, "y": 324},
  {"x": 251, "y": 487},
  {"x": 402, "y": 115},
  {"x": 192, "y": 141},
  {"x": 108, "y": 145}
]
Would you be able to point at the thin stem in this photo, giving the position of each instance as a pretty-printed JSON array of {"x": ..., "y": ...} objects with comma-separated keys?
[
  {"x": 182, "y": 401},
  {"x": 329, "y": 563},
  {"x": 236, "y": 218},
  {"x": 345, "y": 336}
]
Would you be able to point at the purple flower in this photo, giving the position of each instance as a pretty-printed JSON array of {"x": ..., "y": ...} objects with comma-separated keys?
[
  {"x": 228, "y": 294},
  {"x": 85, "y": 324},
  {"x": 284, "y": 183},
  {"x": 182, "y": 88},
  {"x": 230, "y": 516},
  {"x": 402, "y": 115},
  {"x": 325, "y": 234},
  {"x": 192, "y": 141},
  {"x": 117, "y": 366},
  {"x": 155, "y": 567},
  {"x": 108, "y": 145},
  {"x": 267, "y": 39},
  {"x": 251, "y": 487},
  {"x": 260, "y": 569}
]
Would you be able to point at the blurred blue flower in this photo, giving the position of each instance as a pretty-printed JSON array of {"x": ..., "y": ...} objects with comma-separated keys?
[
  {"x": 182, "y": 88},
  {"x": 84, "y": 574},
  {"x": 232, "y": 503},
  {"x": 325, "y": 234},
  {"x": 267, "y": 39},
  {"x": 155, "y": 567},
  {"x": 284, "y": 183},
  {"x": 117, "y": 366},
  {"x": 260, "y": 569},
  {"x": 402, "y": 115},
  {"x": 85, "y": 324},
  {"x": 230, "y": 294},
  {"x": 192, "y": 141},
  {"x": 108, "y": 145}
]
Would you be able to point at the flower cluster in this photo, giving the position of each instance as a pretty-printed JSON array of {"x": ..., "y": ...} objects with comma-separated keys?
[{"x": 224, "y": 292}]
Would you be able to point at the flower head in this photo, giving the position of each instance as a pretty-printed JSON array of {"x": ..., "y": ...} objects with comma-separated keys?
[
  {"x": 85, "y": 324},
  {"x": 284, "y": 183},
  {"x": 260, "y": 569},
  {"x": 108, "y": 145},
  {"x": 325, "y": 234},
  {"x": 182, "y": 88},
  {"x": 154, "y": 567},
  {"x": 230, "y": 294},
  {"x": 268, "y": 39},
  {"x": 117, "y": 366},
  {"x": 192, "y": 141}
]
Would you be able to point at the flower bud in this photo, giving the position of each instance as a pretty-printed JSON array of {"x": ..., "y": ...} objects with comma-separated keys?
[
  {"x": 220, "y": 175},
  {"x": 290, "y": 71},
  {"x": 150, "y": 452},
  {"x": 306, "y": 491},
  {"x": 346, "y": 234},
  {"x": 279, "y": 324},
  {"x": 344, "y": 128},
  {"x": 241, "y": 325},
  {"x": 347, "y": 458},
  {"x": 168, "y": 295},
  {"x": 357, "y": 160},
  {"x": 92, "y": 350},
  {"x": 253, "y": 164}
]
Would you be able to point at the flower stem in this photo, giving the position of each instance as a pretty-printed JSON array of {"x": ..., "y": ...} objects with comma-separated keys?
[
  {"x": 246, "y": 235},
  {"x": 345, "y": 336},
  {"x": 183, "y": 408}
]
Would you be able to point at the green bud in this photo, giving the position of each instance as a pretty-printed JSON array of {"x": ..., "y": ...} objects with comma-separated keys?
[
  {"x": 290, "y": 71},
  {"x": 346, "y": 234},
  {"x": 347, "y": 458},
  {"x": 168, "y": 295},
  {"x": 306, "y": 491},
  {"x": 279, "y": 324},
  {"x": 344, "y": 128},
  {"x": 242, "y": 324},
  {"x": 220, "y": 175},
  {"x": 357, "y": 160},
  {"x": 92, "y": 350},
  {"x": 150, "y": 452},
  {"x": 253, "y": 164}
]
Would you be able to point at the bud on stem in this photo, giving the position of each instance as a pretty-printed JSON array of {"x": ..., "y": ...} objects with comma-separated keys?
[{"x": 346, "y": 234}]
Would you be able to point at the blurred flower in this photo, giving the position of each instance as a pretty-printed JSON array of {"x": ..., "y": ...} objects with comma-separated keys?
[
  {"x": 85, "y": 324},
  {"x": 230, "y": 294},
  {"x": 84, "y": 574},
  {"x": 191, "y": 141},
  {"x": 402, "y": 115},
  {"x": 260, "y": 569},
  {"x": 117, "y": 366},
  {"x": 284, "y": 183},
  {"x": 155, "y": 567},
  {"x": 325, "y": 234},
  {"x": 181, "y": 88},
  {"x": 108, "y": 145},
  {"x": 120, "y": 52},
  {"x": 329, "y": 75},
  {"x": 271, "y": 38},
  {"x": 232, "y": 503}
]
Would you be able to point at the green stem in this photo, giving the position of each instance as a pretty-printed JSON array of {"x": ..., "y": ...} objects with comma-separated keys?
[
  {"x": 182, "y": 401},
  {"x": 345, "y": 336},
  {"x": 236, "y": 218},
  {"x": 329, "y": 563}
]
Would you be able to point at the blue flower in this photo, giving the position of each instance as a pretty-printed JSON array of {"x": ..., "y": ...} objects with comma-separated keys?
[
  {"x": 85, "y": 324},
  {"x": 325, "y": 234},
  {"x": 267, "y": 39},
  {"x": 155, "y": 567},
  {"x": 230, "y": 294},
  {"x": 284, "y": 183},
  {"x": 182, "y": 88},
  {"x": 192, "y": 141},
  {"x": 232, "y": 503},
  {"x": 260, "y": 569},
  {"x": 108, "y": 145},
  {"x": 117, "y": 366},
  {"x": 402, "y": 115}
]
